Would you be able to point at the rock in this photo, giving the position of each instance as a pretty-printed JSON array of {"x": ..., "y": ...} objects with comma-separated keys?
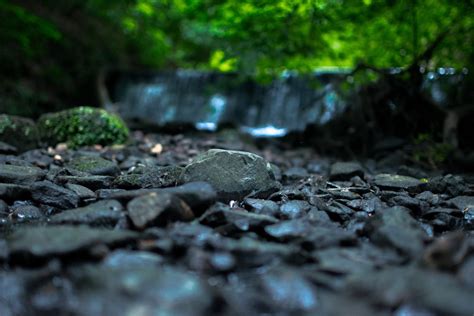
[
  {"x": 82, "y": 126},
  {"x": 91, "y": 182},
  {"x": 45, "y": 241},
  {"x": 20, "y": 174},
  {"x": 23, "y": 212},
  {"x": 396, "y": 182},
  {"x": 3, "y": 208},
  {"x": 11, "y": 192},
  {"x": 132, "y": 259},
  {"x": 158, "y": 209},
  {"x": 19, "y": 132},
  {"x": 221, "y": 215},
  {"x": 233, "y": 174},
  {"x": 462, "y": 202},
  {"x": 82, "y": 192},
  {"x": 295, "y": 173},
  {"x": 452, "y": 185},
  {"x": 341, "y": 171},
  {"x": 94, "y": 165},
  {"x": 102, "y": 213},
  {"x": 7, "y": 149},
  {"x": 447, "y": 252},
  {"x": 48, "y": 193},
  {"x": 264, "y": 207},
  {"x": 466, "y": 272},
  {"x": 198, "y": 195},
  {"x": 149, "y": 177},
  {"x": 294, "y": 209},
  {"x": 394, "y": 227}
]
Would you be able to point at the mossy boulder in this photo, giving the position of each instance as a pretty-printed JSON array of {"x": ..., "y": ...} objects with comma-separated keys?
[
  {"x": 82, "y": 126},
  {"x": 19, "y": 132}
]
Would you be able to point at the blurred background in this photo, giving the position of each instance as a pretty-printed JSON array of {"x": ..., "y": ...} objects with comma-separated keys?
[{"x": 394, "y": 68}]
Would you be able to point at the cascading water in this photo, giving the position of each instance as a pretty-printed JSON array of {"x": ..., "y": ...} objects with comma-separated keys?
[{"x": 207, "y": 100}]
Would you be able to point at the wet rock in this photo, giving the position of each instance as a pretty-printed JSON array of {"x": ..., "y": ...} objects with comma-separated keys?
[
  {"x": 11, "y": 192},
  {"x": 264, "y": 207},
  {"x": 413, "y": 204},
  {"x": 288, "y": 290},
  {"x": 392, "y": 287},
  {"x": 149, "y": 177},
  {"x": 395, "y": 228},
  {"x": 450, "y": 184},
  {"x": 45, "y": 241},
  {"x": 144, "y": 291},
  {"x": 338, "y": 211},
  {"x": 3, "y": 208},
  {"x": 18, "y": 131},
  {"x": 397, "y": 182},
  {"x": 295, "y": 173},
  {"x": 462, "y": 202},
  {"x": 48, "y": 193},
  {"x": 341, "y": 171},
  {"x": 158, "y": 209},
  {"x": 94, "y": 165},
  {"x": 90, "y": 182},
  {"x": 82, "y": 192},
  {"x": 294, "y": 209},
  {"x": 233, "y": 174},
  {"x": 429, "y": 197},
  {"x": 221, "y": 215},
  {"x": 20, "y": 174},
  {"x": 102, "y": 213},
  {"x": 447, "y": 252},
  {"x": 7, "y": 149},
  {"x": 132, "y": 259},
  {"x": 24, "y": 212},
  {"x": 368, "y": 205},
  {"x": 198, "y": 195}
]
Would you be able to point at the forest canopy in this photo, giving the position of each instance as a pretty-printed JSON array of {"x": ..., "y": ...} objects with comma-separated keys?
[{"x": 60, "y": 46}]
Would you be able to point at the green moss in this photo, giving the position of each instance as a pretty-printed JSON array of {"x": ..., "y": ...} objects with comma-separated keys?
[{"x": 82, "y": 126}]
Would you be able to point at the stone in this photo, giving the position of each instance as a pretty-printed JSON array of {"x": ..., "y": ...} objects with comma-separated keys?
[
  {"x": 341, "y": 171},
  {"x": 131, "y": 259},
  {"x": 11, "y": 192},
  {"x": 462, "y": 202},
  {"x": 397, "y": 182},
  {"x": 94, "y": 165},
  {"x": 221, "y": 215},
  {"x": 233, "y": 174},
  {"x": 46, "y": 192},
  {"x": 395, "y": 228},
  {"x": 158, "y": 209},
  {"x": 91, "y": 182},
  {"x": 263, "y": 207},
  {"x": 23, "y": 212},
  {"x": 7, "y": 149},
  {"x": 82, "y": 126},
  {"x": 19, "y": 132},
  {"x": 102, "y": 213},
  {"x": 294, "y": 209},
  {"x": 20, "y": 174},
  {"x": 82, "y": 192},
  {"x": 450, "y": 184},
  {"x": 149, "y": 177},
  {"x": 295, "y": 173},
  {"x": 45, "y": 241}
]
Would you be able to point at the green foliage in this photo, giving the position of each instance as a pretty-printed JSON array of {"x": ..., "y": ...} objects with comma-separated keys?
[
  {"x": 428, "y": 151},
  {"x": 82, "y": 126}
]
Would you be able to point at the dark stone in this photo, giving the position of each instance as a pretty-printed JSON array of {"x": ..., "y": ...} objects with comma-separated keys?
[
  {"x": 295, "y": 173},
  {"x": 132, "y": 259},
  {"x": 11, "y": 192},
  {"x": 149, "y": 177},
  {"x": 3, "y": 208},
  {"x": 413, "y": 204},
  {"x": 462, "y": 202},
  {"x": 48, "y": 193},
  {"x": 7, "y": 149},
  {"x": 198, "y": 195},
  {"x": 338, "y": 211},
  {"x": 81, "y": 191},
  {"x": 20, "y": 174},
  {"x": 466, "y": 272},
  {"x": 45, "y": 241},
  {"x": 395, "y": 228},
  {"x": 397, "y": 182},
  {"x": 18, "y": 131},
  {"x": 341, "y": 171},
  {"x": 94, "y": 165},
  {"x": 221, "y": 214},
  {"x": 264, "y": 207},
  {"x": 233, "y": 174},
  {"x": 294, "y": 209},
  {"x": 158, "y": 209},
  {"x": 450, "y": 184},
  {"x": 369, "y": 205},
  {"x": 24, "y": 212},
  {"x": 447, "y": 252},
  {"x": 435, "y": 291},
  {"x": 102, "y": 213},
  {"x": 429, "y": 197},
  {"x": 91, "y": 182}
]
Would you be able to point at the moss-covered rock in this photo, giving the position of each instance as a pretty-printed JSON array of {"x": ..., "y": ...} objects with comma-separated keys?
[
  {"x": 18, "y": 131},
  {"x": 82, "y": 126}
]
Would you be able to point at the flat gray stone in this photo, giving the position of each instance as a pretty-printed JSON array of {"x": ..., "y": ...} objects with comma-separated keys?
[
  {"x": 94, "y": 165},
  {"x": 345, "y": 171},
  {"x": 102, "y": 213},
  {"x": 48, "y": 193},
  {"x": 20, "y": 174},
  {"x": 397, "y": 182},
  {"x": 233, "y": 174},
  {"x": 462, "y": 202}
]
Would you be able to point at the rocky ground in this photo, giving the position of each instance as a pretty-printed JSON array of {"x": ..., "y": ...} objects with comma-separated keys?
[{"x": 169, "y": 226}]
